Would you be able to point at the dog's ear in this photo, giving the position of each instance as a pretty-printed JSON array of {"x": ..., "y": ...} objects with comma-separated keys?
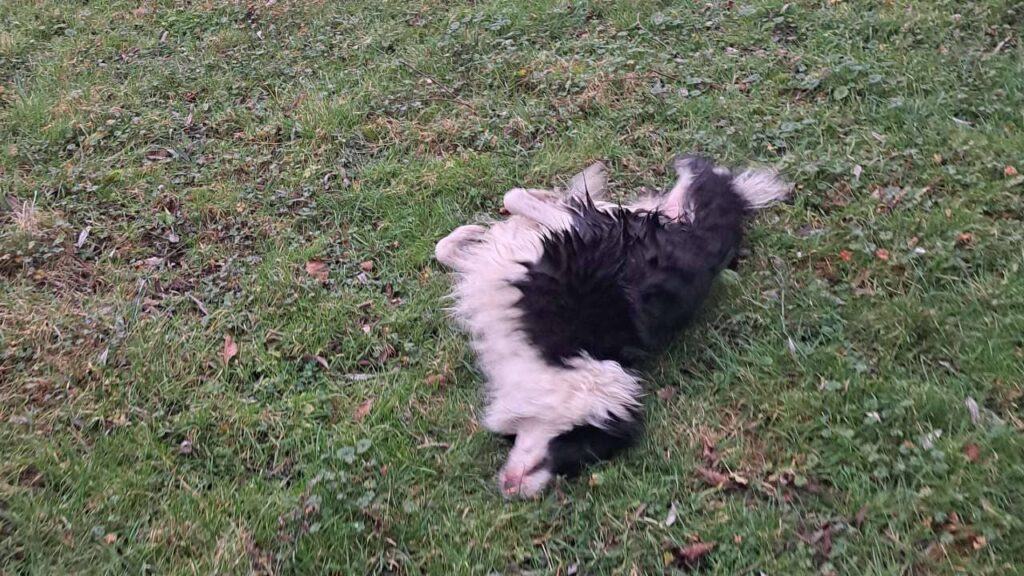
[{"x": 591, "y": 180}]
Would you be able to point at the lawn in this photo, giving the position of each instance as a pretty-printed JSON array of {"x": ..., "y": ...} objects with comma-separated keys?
[{"x": 223, "y": 344}]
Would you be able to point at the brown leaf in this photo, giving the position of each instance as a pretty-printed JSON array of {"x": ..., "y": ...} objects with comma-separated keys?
[
  {"x": 366, "y": 266},
  {"x": 825, "y": 542},
  {"x": 363, "y": 409},
  {"x": 708, "y": 449},
  {"x": 667, "y": 393},
  {"x": 317, "y": 269},
  {"x": 160, "y": 154},
  {"x": 713, "y": 478},
  {"x": 230, "y": 349},
  {"x": 437, "y": 380},
  {"x": 393, "y": 298},
  {"x": 690, "y": 557},
  {"x": 387, "y": 352},
  {"x": 317, "y": 359},
  {"x": 858, "y": 520},
  {"x": 972, "y": 452}
]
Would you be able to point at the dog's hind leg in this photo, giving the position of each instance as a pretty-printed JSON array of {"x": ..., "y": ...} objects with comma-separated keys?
[
  {"x": 451, "y": 249},
  {"x": 529, "y": 204},
  {"x": 591, "y": 181}
]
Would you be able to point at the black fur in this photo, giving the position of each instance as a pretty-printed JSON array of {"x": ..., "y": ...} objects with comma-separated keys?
[
  {"x": 571, "y": 452},
  {"x": 620, "y": 285}
]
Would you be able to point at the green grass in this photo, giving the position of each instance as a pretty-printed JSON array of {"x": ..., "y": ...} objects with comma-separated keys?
[{"x": 212, "y": 149}]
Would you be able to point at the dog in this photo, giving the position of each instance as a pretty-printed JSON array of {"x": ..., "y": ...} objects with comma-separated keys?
[{"x": 568, "y": 295}]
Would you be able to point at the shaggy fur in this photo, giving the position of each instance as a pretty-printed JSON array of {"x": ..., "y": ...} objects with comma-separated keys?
[{"x": 564, "y": 298}]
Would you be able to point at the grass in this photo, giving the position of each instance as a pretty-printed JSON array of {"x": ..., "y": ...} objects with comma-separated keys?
[{"x": 169, "y": 168}]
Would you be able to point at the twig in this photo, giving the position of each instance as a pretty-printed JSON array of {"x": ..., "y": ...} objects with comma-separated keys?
[
  {"x": 199, "y": 305},
  {"x": 432, "y": 444},
  {"x": 438, "y": 83},
  {"x": 665, "y": 75},
  {"x": 653, "y": 37},
  {"x": 999, "y": 46}
]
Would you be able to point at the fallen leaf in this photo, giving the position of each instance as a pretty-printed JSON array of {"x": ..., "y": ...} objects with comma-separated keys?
[
  {"x": 150, "y": 263},
  {"x": 824, "y": 539},
  {"x": 318, "y": 359},
  {"x": 437, "y": 380},
  {"x": 973, "y": 410},
  {"x": 667, "y": 393},
  {"x": 640, "y": 511},
  {"x": 317, "y": 269},
  {"x": 708, "y": 449},
  {"x": 690, "y": 557},
  {"x": 739, "y": 480},
  {"x": 387, "y": 352},
  {"x": 363, "y": 410},
  {"x": 110, "y": 538},
  {"x": 713, "y": 478},
  {"x": 882, "y": 254},
  {"x": 389, "y": 291},
  {"x": 858, "y": 520},
  {"x": 366, "y": 266},
  {"x": 1010, "y": 170},
  {"x": 83, "y": 236},
  {"x": 972, "y": 452},
  {"x": 670, "y": 518},
  {"x": 964, "y": 239},
  {"x": 230, "y": 349},
  {"x": 160, "y": 154},
  {"x": 845, "y": 255},
  {"x": 977, "y": 542}
]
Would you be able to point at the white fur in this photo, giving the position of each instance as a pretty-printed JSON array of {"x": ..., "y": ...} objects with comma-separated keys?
[{"x": 760, "y": 188}]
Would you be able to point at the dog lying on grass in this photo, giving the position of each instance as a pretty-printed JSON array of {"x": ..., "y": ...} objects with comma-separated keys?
[{"x": 562, "y": 299}]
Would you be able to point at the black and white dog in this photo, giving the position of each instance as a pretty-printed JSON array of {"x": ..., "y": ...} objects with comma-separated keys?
[{"x": 564, "y": 297}]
